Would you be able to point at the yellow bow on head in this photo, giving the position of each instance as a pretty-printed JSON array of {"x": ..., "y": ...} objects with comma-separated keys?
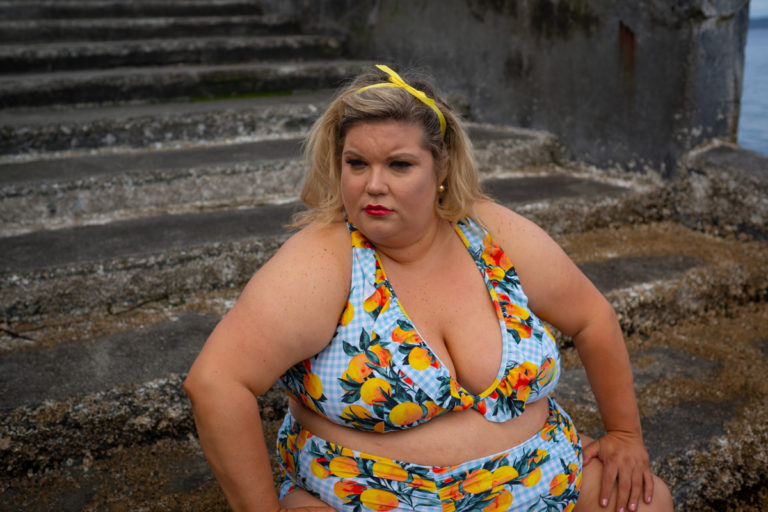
[{"x": 396, "y": 81}]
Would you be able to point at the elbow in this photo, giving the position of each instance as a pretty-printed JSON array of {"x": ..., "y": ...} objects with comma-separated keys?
[
  {"x": 602, "y": 318},
  {"x": 192, "y": 386},
  {"x": 199, "y": 383}
]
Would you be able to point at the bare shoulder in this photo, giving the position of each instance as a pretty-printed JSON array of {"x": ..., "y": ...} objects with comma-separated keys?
[
  {"x": 513, "y": 232},
  {"x": 309, "y": 271},
  {"x": 317, "y": 244},
  {"x": 287, "y": 312}
]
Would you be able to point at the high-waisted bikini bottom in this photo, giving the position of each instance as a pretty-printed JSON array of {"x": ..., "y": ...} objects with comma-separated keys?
[{"x": 542, "y": 473}]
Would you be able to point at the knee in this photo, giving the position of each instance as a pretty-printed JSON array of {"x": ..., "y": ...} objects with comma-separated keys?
[
  {"x": 662, "y": 497},
  {"x": 589, "y": 497}
]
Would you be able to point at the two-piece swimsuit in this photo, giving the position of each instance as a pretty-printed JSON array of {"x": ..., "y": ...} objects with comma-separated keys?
[{"x": 377, "y": 374}]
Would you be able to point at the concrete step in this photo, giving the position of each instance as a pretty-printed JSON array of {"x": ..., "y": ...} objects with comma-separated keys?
[
  {"x": 169, "y": 475},
  {"x": 41, "y": 9},
  {"x": 40, "y": 191},
  {"x": 41, "y": 130},
  {"x": 106, "y": 29},
  {"x": 165, "y": 51},
  {"x": 73, "y": 407},
  {"x": 124, "y": 263},
  {"x": 146, "y": 84}
]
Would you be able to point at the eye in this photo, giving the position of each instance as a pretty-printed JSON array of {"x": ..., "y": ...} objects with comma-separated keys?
[
  {"x": 401, "y": 164},
  {"x": 354, "y": 163}
]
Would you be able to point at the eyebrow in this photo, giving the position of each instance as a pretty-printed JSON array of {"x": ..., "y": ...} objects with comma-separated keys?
[{"x": 397, "y": 156}]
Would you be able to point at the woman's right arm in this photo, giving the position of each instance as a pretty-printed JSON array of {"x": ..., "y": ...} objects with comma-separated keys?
[{"x": 287, "y": 313}]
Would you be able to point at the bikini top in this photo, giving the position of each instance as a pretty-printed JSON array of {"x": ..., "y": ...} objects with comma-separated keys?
[{"x": 378, "y": 374}]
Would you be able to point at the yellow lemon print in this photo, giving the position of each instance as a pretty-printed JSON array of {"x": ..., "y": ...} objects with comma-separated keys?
[
  {"x": 503, "y": 474},
  {"x": 344, "y": 467},
  {"x": 405, "y": 413},
  {"x": 348, "y": 314},
  {"x": 390, "y": 470},
  {"x": 379, "y": 499},
  {"x": 358, "y": 368},
  {"x": 375, "y": 390},
  {"x": 478, "y": 481},
  {"x": 419, "y": 358},
  {"x": 346, "y": 489},
  {"x": 318, "y": 469},
  {"x": 558, "y": 484},
  {"x": 313, "y": 385},
  {"x": 384, "y": 355},
  {"x": 531, "y": 478},
  {"x": 500, "y": 503}
]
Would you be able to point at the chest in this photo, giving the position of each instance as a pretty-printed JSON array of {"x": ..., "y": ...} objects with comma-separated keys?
[{"x": 452, "y": 309}]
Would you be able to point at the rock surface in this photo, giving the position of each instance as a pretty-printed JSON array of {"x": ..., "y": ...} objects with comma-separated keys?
[{"x": 127, "y": 230}]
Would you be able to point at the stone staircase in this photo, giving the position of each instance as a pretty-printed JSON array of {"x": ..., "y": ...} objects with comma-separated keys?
[{"x": 150, "y": 157}]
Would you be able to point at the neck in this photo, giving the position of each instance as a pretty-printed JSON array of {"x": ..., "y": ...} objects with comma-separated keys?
[{"x": 438, "y": 234}]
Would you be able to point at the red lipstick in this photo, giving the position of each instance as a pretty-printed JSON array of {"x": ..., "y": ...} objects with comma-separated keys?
[{"x": 377, "y": 210}]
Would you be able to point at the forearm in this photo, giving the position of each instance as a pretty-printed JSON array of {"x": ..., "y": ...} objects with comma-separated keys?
[
  {"x": 602, "y": 351},
  {"x": 229, "y": 426}
]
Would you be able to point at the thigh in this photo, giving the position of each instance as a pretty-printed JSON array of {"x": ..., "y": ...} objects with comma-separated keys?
[
  {"x": 300, "y": 498},
  {"x": 589, "y": 496}
]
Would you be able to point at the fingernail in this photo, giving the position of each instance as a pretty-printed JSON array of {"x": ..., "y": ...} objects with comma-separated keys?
[
  {"x": 648, "y": 499},
  {"x": 633, "y": 507},
  {"x": 621, "y": 509},
  {"x": 604, "y": 502}
]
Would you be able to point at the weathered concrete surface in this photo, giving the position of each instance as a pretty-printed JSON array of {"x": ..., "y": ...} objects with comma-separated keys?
[
  {"x": 707, "y": 441},
  {"x": 173, "y": 83},
  {"x": 126, "y": 279},
  {"x": 42, "y": 57},
  {"x": 103, "y": 424},
  {"x": 619, "y": 83},
  {"x": 33, "y": 376},
  {"x": 703, "y": 400},
  {"x": 42, "y": 191},
  {"x": 100, "y": 29},
  {"x": 124, "y": 263},
  {"x": 36, "y": 9},
  {"x": 713, "y": 273},
  {"x": 48, "y": 130}
]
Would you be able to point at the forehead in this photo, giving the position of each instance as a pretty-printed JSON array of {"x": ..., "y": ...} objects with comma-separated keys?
[{"x": 384, "y": 135}]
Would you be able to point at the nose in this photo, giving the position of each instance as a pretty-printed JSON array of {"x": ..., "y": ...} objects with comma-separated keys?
[{"x": 376, "y": 184}]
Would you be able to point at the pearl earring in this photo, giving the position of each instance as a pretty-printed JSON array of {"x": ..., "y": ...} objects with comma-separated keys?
[{"x": 441, "y": 188}]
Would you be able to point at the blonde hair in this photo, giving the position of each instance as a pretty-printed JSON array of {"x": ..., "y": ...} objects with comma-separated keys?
[{"x": 452, "y": 153}]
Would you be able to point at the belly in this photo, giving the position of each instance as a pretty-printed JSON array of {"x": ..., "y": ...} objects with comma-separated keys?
[{"x": 449, "y": 439}]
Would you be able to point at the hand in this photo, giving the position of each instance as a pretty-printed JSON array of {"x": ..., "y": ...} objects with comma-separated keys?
[{"x": 625, "y": 463}]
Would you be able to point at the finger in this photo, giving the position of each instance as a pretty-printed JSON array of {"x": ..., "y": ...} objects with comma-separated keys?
[
  {"x": 648, "y": 487},
  {"x": 622, "y": 490},
  {"x": 607, "y": 483},
  {"x": 636, "y": 490},
  {"x": 591, "y": 451}
]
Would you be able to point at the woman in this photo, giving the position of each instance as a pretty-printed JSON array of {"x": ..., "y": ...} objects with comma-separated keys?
[{"x": 418, "y": 369}]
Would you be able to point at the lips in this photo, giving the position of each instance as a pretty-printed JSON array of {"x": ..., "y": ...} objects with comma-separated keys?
[{"x": 376, "y": 210}]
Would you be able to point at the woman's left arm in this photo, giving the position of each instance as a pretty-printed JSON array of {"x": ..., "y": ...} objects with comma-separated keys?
[{"x": 559, "y": 293}]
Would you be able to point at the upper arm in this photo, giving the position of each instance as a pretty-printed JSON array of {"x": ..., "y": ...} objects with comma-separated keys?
[
  {"x": 558, "y": 292},
  {"x": 287, "y": 312}
]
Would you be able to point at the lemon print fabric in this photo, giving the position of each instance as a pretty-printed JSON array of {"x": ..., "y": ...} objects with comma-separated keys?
[{"x": 379, "y": 374}]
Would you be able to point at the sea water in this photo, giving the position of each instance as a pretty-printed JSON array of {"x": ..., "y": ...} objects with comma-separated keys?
[{"x": 753, "y": 121}]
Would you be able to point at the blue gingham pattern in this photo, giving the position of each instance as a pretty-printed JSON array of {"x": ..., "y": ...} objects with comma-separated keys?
[
  {"x": 432, "y": 384},
  {"x": 437, "y": 489}
]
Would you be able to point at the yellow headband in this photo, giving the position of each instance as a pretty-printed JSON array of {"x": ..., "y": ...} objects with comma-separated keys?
[{"x": 396, "y": 81}]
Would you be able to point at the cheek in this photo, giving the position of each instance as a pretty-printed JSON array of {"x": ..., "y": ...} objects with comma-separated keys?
[{"x": 350, "y": 189}]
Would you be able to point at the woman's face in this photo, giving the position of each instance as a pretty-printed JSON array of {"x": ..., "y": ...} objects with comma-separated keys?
[{"x": 388, "y": 182}]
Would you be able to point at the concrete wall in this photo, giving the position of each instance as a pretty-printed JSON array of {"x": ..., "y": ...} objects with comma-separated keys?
[{"x": 630, "y": 82}]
